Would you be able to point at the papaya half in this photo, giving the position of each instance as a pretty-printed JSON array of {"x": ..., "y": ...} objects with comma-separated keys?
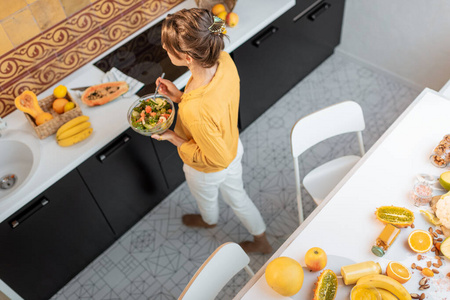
[
  {"x": 103, "y": 93},
  {"x": 28, "y": 103}
]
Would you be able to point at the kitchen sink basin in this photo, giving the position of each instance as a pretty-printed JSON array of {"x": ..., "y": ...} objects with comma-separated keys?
[{"x": 19, "y": 158}]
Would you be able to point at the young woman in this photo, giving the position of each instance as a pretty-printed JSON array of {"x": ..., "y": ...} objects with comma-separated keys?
[{"x": 206, "y": 132}]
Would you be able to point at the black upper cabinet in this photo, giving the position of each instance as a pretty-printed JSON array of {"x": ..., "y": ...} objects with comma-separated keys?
[
  {"x": 125, "y": 179},
  {"x": 52, "y": 238},
  {"x": 284, "y": 52}
]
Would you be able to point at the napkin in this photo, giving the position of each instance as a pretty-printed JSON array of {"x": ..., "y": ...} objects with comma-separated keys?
[{"x": 115, "y": 75}]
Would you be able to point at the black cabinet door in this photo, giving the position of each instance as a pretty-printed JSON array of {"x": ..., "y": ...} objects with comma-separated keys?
[
  {"x": 284, "y": 52},
  {"x": 125, "y": 179},
  {"x": 50, "y": 240}
]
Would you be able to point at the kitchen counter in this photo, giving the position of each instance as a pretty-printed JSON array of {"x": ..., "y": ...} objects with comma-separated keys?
[{"x": 55, "y": 161}]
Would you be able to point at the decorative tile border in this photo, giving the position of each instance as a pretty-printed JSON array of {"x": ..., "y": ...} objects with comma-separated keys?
[{"x": 64, "y": 48}]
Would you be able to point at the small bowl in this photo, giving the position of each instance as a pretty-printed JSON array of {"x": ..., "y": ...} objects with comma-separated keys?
[{"x": 159, "y": 128}]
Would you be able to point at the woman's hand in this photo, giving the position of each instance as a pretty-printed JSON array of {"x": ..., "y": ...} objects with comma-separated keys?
[
  {"x": 170, "y": 136},
  {"x": 169, "y": 89}
]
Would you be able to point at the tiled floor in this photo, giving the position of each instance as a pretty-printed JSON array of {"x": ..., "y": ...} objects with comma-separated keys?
[{"x": 158, "y": 256}]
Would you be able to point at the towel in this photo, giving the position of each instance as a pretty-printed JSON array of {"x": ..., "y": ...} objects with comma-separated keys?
[{"x": 115, "y": 75}]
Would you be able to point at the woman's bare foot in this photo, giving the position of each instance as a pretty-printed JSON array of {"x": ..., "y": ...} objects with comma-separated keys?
[
  {"x": 194, "y": 220},
  {"x": 260, "y": 244}
]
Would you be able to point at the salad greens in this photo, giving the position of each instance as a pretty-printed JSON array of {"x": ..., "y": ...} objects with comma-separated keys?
[{"x": 148, "y": 113}]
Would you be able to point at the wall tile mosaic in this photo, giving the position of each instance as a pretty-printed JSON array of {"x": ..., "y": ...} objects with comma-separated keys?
[{"x": 63, "y": 48}]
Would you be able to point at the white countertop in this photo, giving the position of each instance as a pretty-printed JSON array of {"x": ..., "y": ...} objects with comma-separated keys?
[
  {"x": 55, "y": 161},
  {"x": 344, "y": 225}
]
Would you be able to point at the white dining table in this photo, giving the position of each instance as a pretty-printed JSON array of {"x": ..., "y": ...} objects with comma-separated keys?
[{"x": 345, "y": 226}]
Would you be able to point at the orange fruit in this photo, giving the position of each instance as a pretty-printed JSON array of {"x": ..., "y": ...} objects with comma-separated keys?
[
  {"x": 42, "y": 118},
  {"x": 60, "y": 91},
  {"x": 58, "y": 105},
  {"x": 284, "y": 275},
  {"x": 232, "y": 19},
  {"x": 420, "y": 241},
  {"x": 217, "y": 9},
  {"x": 398, "y": 271},
  {"x": 223, "y": 15}
]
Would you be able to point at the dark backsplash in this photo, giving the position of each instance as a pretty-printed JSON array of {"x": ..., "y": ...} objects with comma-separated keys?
[{"x": 144, "y": 59}]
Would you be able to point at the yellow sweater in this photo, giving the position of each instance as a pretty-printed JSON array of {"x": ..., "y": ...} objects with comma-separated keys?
[{"x": 207, "y": 119}]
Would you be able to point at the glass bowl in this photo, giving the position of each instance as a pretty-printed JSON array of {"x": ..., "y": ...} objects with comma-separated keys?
[{"x": 158, "y": 128}]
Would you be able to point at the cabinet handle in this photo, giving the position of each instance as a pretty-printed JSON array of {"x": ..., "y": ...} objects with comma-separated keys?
[
  {"x": 28, "y": 212},
  {"x": 113, "y": 147},
  {"x": 265, "y": 35},
  {"x": 321, "y": 9},
  {"x": 307, "y": 10}
]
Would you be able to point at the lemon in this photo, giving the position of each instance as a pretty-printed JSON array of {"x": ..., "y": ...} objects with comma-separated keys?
[
  {"x": 431, "y": 217},
  {"x": 60, "y": 91},
  {"x": 223, "y": 15},
  {"x": 69, "y": 106}
]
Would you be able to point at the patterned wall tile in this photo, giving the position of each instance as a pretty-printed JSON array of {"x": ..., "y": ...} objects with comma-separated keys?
[{"x": 43, "y": 61}]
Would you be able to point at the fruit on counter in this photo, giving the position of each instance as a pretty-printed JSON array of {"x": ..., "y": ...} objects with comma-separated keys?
[
  {"x": 218, "y": 8},
  {"x": 430, "y": 217},
  {"x": 326, "y": 286},
  {"x": 445, "y": 248},
  {"x": 386, "y": 295},
  {"x": 58, "y": 105},
  {"x": 285, "y": 276},
  {"x": 72, "y": 123},
  {"x": 28, "y": 103},
  {"x": 42, "y": 118},
  {"x": 351, "y": 273},
  {"x": 315, "y": 259},
  {"x": 232, "y": 19},
  {"x": 60, "y": 91},
  {"x": 74, "y": 139},
  {"x": 398, "y": 216},
  {"x": 398, "y": 271},
  {"x": 387, "y": 283},
  {"x": 69, "y": 106},
  {"x": 444, "y": 180},
  {"x": 420, "y": 241},
  {"x": 73, "y": 130},
  {"x": 103, "y": 93}
]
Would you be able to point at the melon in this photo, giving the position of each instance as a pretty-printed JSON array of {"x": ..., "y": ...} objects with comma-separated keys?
[
  {"x": 103, "y": 93},
  {"x": 326, "y": 286},
  {"x": 398, "y": 216}
]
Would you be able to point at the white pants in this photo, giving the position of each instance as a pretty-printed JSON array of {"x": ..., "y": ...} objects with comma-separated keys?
[{"x": 205, "y": 189}]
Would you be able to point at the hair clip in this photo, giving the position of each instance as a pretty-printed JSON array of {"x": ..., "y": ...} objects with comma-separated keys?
[{"x": 218, "y": 26}]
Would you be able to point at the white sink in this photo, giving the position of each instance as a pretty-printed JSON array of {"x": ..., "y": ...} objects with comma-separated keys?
[{"x": 19, "y": 158}]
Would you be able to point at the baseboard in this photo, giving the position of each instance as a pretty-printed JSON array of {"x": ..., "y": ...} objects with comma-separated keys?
[{"x": 376, "y": 68}]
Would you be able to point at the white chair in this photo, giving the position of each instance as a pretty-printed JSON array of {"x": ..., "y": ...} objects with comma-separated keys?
[
  {"x": 336, "y": 119},
  {"x": 227, "y": 260}
]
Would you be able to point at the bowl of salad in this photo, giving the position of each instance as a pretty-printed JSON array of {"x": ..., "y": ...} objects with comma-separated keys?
[{"x": 151, "y": 114}]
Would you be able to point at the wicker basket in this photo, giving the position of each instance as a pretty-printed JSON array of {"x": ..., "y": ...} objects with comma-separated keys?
[
  {"x": 208, "y": 4},
  {"x": 51, "y": 126}
]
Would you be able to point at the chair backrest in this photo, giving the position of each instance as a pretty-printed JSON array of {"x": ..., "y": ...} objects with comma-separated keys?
[
  {"x": 336, "y": 119},
  {"x": 227, "y": 260}
]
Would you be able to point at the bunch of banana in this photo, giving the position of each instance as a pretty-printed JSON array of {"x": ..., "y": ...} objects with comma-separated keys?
[
  {"x": 388, "y": 287},
  {"x": 74, "y": 131}
]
